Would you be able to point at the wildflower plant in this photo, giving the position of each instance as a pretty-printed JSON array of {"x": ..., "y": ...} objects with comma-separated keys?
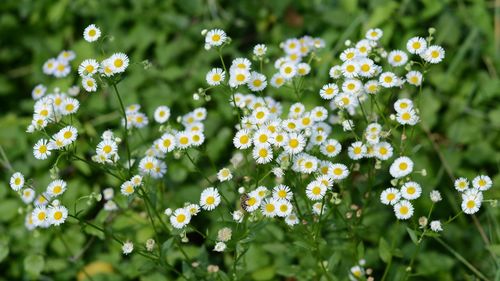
[{"x": 312, "y": 170}]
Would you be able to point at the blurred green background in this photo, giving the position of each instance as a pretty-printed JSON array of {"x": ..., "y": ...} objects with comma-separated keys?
[{"x": 461, "y": 108}]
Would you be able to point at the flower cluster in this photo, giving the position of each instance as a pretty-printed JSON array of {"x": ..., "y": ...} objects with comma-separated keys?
[
  {"x": 472, "y": 197},
  {"x": 59, "y": 66}
]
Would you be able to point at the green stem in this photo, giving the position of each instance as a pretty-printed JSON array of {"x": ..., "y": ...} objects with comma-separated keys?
[{"x": 125, "y": 131}]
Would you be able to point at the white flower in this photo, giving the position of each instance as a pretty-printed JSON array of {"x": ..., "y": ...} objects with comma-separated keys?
[
  {"x": 408, "y": 117},
  {"x": 257, "y": 82},
  {"x": 461, "y": 184},
  {"x": 291, "y": 219},
  {"x": 119, "y": 62},
  {"x": 180, "y": 218},
  {"x": 209, "y": 199},
  {"x": 39, "y": 91},
  {"x": 315, "y": 190},
  {"x": 414, "y": 78},
  {"x": 215, "y": 37},
  {"x": 397, "y": 58},
  {"x": 41, "y": 149},
  {"x": 283, "y": 208},
  {"x": 215, "y": 76},
  {"x": 403, "y": 210},
  {"x": 411, "y": 190},
  {"x": 224, "y": 174},
  {"x": 388, "y": 79},
  {"x": 374, "y": 34},
  {"x": 416, "y": 45},
  {"x": 357, "y": 150},
  {"x": 238, "y": 216},
  {"x": 338, "y": 171},
  {"x": 269, "y": 207},
  {"x": 329, "y": 91},
  {"x": 89, "y": 84},
  {"x": 127, "y": 188},
  {"x": 433, "y": 54},
  {"x": 260, "y": 50},
  {"x": 17, "y": 181},
  {"x": 220, "y": 247},
  {"x": 435, "y": 196},
  {"x": 436, "y": 226},
  {"x": 40, "y": 216},
  {"x": 28, "y": 195},
  {"x": 295, "y": 144},
  {"x": 471, "y": 202},
  {"x": 482, "y": 182},
  {"x": 224, "y": 234},
  {"x": 56, "y": 188},
  {"x": 127, "y": 247},
  {"x": 57, "y": 215},
  {"x": 288, "y": 70},
  {"x": 162, "y": 114},
  {"x": 262, "y": 154},
  {"x": 91, "y": 33},
  {"x": 383, "y": 150},
  {"x": 88, "y": 67},
  {"x": 390, "y": 196},
  {"x": 401, "y": 167}
]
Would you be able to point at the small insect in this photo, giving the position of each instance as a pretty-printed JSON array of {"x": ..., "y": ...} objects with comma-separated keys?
[{"x": 243, "y": 201}]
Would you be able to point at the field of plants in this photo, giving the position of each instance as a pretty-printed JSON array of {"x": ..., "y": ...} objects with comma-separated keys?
[{"x": 249, "y": 140}]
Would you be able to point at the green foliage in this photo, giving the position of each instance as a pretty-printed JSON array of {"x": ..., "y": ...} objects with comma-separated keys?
[{"x": 459, "y": 108}]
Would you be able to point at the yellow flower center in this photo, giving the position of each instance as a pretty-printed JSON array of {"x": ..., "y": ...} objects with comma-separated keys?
[
  {"x": 263, "y": 152},
  {"x": 41, "y": 216},
  {"x": 404, "y": 210},
  {"x": 149, "y": 166},
  {"x": 215, "y": 37},
  {"x": 58, "y": 215},
  {"x": 118, "y": 62},
  {"x": 403, "y": 166},
  {"x": 244, "y": 139},
  {"x": 316, "y": 190},
  {"x": 181, "y": 218},
  {"x": 210, "y": 200},
  {"x": 92, "y": 32},
  {"x": 411, "y": 190},
  {"x": 68, "y": 134},
  {"x": 416, "y": 45},
  {"x": 184, "y": 140},
  {"x": 42, "y": 149},
  {"x": 391, "y": 196},
  {"x": 471, "y": 204},
  {"x": 293, "y": 143},
  {"x": 337, "y": 171},
  {"x": 262, "y": 138},
  {"x": 270, "y": 208}
]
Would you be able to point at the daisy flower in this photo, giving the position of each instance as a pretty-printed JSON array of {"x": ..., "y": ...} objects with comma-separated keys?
[
  {"x": 277, "y": 80},
  {"x": 57, "y": 215},
  {"x": 471, "y": 203},
  {"x": 106, "y": 147},
  {"x": 401, "y": 167},
  {"x": 39, "y": 91},
  {"x": 49, "y": 66},
  {"x": 262, "y": 154},
  {"x": 180, "y": 218},
  {"x": 66, "y": 55},
  {"x": 383, "y": 150},
  {"x": 482, "y": 182},
  {"x": 295, "y": 143},
  {"x": 127, "y": 248},
  {"x": 162, "y": 114},
  {"x": 127, "y": 188},
  {"x": 329, "y": 91},
  {"x": 288, "y": 70},
  {"x": 69, "y": 106},
  {"x": 28, "y": 195},
  {"x": 350, "y": 69},
  {"x": 88, "y": 67},
  {"x": 224, "y": 174},
  {"x": 282, "y": 192},
  {"x": 167, "y": 143},
  {"x": 260, "y": 50},
  {"x": 260, "y": 115},
  {"x": 68, "y": 134},
  {"x": 414, "y": 78},
  {"x": 397, "y": 58},
  {"x": 183, "y": 140},
  {"x": 408, "y": 117},
  {"x": 91, "y": 33},
  {"x": 291, "y": 219},
  {"x": 40, "y": 216},
  {"x": 411, "y": 190},
  {"x": 62, "y": 69},
  {"x": 257, "y": 82},
  {"x": 303, "y": 69},
  {"x": 56, "y": 188},
  {"x": 41, "y": 149},
  {"x": 89, "y": 84},
  {"x": 374, "y": 34},
  {"x": 269, "y": 208},
  {"x": 308, "y": 165},
  {"x": 390, "y": 196},
  {"x": 238, "y": 77},
  {"x": 349, "y": 54},
  {"x": 319, "y": 114},
  {"x": 283, "y": 208},
  {"x": 338, "y": 171},
  {"x": 252, "y": 201},
  {"x": 215, "y": 76},
  {"x": 433, "y": 54},
  {"x": 357, "y": 150},
  {"x": 388, "y": 79},
  {"x": 371, "y": 87},
  {"x": 318, "y": 208},
  {"x": 17, "y": 181},
  {"x": 416, "y": 45},
  {"x": 119, "y": 61},
  {"x": 220, "y": 247},
  {"x": 242, "y": 139},
  {"x": 344, "y": 100},
  {"x": 366, "y": 67},
  {"x": 461, "y": 184},
  {"x": 209, "y": 199},
  {"x": 403, "y": 210},
  {"x": 215, "y": 37},
  {"x": 402, "y": 105},
  {"x": 148, "y": 165},
  {"x": 315, "y": 190},
  {"x": 335, "y": 72}
]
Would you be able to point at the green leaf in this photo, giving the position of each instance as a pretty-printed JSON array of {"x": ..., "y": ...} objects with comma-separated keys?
[
  {"x": 34, "y": 264},
  {"x": 384, "y": 250},
  {"x": 412, "y": 234},
  {"x": 4, "y": 250},
  {"x": 266, "y": 273}
]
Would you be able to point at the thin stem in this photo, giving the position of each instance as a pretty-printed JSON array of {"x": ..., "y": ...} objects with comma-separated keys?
[{"x": 125, "y": 131}]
